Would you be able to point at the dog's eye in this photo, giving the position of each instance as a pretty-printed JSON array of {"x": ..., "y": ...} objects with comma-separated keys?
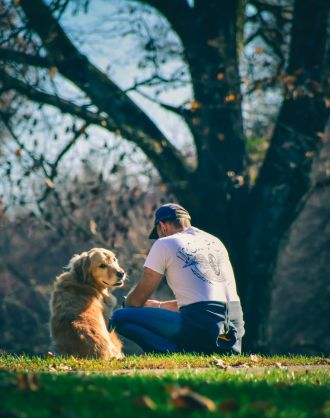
[{"x": 103, "y": 266}]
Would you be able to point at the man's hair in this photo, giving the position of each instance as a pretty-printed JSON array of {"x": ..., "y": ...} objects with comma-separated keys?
[{"x": 179, "y": 223}]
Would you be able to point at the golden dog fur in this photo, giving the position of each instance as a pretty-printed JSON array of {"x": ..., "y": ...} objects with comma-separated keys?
[{"x": 81, "y": 305}]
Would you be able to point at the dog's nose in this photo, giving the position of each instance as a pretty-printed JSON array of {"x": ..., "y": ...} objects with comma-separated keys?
[{"x": 120, "y": 274}]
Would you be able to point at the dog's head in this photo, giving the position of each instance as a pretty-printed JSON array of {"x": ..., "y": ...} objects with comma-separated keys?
[{"x": 98, "y": 267}]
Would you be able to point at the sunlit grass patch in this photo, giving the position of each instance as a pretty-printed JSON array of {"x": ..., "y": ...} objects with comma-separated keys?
[{"x": 168, "y": 361}]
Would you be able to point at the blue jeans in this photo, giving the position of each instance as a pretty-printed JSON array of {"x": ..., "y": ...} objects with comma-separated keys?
[
  {"x": 157, "y": 330},
  {"x": 153, "y": 329}
]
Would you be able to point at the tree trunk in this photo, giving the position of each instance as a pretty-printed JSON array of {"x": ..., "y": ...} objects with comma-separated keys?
[
  {"x": 284, "y": 177},
  {"x": 219, "y": 183},
  {"x": 300, "y": 308}
]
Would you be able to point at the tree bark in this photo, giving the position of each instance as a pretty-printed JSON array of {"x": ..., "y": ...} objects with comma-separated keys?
[{"x": 284, "y": 177}]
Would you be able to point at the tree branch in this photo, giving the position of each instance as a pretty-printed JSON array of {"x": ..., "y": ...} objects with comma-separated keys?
[
  {"x": 134, "y": 124},
  {"x": 64, "y": 105},
  {"x": 177, "y": 12},
  {"x": 23, "y": 58},
  {"x": 59, "y": 157}
]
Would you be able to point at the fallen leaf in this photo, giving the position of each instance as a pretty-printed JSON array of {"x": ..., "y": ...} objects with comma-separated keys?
[
  {"x": 64, "y": 367},
  {"x": 254, "y": 358},
  {"x": 50, "y": 355},
  {"x": 185, "y": 398},
  {"x": 144, "y": 402},
  {"x": 22, "y": 381},
  {"x": 241, "y": 364},
  {"x": 52, "y": 368},
  {"x": 27, "y": 381},
  {"x": 280, "y": 366},
  {"x": 218, "y": 362}
]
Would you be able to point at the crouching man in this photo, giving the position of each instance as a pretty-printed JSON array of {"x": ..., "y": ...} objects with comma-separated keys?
[{"x": 206, "y": 315}]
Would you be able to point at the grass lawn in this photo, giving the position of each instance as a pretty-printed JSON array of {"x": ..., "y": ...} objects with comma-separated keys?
[{"x": 165, "y": 386}]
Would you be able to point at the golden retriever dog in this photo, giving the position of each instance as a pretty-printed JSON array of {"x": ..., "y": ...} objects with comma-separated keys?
[{"x": 81, "y": 305}]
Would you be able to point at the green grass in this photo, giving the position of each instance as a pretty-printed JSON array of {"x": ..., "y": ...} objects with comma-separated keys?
[
  {"x": 71, "y": 388},
  {"x": 174, "y": 361}
]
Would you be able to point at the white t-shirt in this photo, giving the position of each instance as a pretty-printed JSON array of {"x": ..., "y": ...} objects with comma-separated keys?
[{"x": 196, "y": 266}]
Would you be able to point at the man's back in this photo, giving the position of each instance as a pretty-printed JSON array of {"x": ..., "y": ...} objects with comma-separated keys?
[{"x": 196, "y": 265}]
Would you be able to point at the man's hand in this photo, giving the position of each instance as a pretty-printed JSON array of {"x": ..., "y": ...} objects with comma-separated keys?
[
  {"x": 152, "y": 303},
  {"x": 170, "y": 305}
]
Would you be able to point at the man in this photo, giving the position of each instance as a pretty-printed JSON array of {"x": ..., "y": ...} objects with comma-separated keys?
[{"x": 206, "y": 314}]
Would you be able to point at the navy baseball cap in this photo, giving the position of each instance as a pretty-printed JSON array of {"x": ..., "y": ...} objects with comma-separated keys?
[{"x": 168, "y": 212}]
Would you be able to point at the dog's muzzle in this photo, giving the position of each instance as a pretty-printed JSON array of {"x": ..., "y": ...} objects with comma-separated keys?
[{"x": 122, "y": 276}]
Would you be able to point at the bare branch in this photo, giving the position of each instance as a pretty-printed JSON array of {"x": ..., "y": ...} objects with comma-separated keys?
[
  {"x": 134, "y": 124},
  {"x": 64, "y": 105},
  {"x": 23, "y": 58},
  {"x": 62, "y": 153},
  {"x": 177, "y": 110}
]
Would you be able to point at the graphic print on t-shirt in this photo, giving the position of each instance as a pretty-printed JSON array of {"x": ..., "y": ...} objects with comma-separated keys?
[{"x": 204, "y": 261}]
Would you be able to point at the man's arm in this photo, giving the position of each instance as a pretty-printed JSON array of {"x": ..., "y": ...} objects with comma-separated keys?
[
  {"x": 170, "y": 305},
  {"x": 149, "y": 282}
]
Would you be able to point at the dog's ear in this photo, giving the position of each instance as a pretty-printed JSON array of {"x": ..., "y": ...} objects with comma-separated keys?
[{"x": 79, "y": 267}]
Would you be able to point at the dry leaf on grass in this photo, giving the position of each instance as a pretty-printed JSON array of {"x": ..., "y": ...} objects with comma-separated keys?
[
  {"x": 241, "y": 364},
  {"x": 254, "y": 358},
  {"x": 280, "y": 366},
  {"x": 218, "y": 362},
  {"x": 59, "y": 367},
  {"x": 50, "y": 355},
  {"x": 144, "y": 402},
  {"x": 27, "y": 381},
  {"x": 64, "y": 367},
  {"x": 184, "y": 397}
]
